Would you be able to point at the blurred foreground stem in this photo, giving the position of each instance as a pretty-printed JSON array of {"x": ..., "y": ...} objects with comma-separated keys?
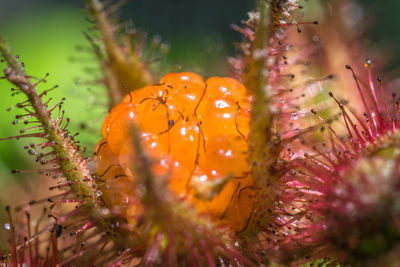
[
  {"x": 263, "y": 145},
  {"x": 123, "y": 69}
]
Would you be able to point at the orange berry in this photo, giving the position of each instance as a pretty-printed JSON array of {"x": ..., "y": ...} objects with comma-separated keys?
[
  {"x": 221, "y": 115},
  {"x": 137, "y": 96},
  {"x": 225, "y": 154},
  {"x": 127, "y": 153},
  {"x": 134, "y": 211},
  {"x": 116, "y": 188},
  {"x": 241, "y": 203},
  {"x": 224, "y": 86},
  {"x": 181, "y": 142},
  {"x": 104, "y": 126},
  {"x": 115, "y": 185},
  {"x": 230, "y": 205},
  {"x": 175, "y": 77},
  {"x": 157, "y": 116},
  {"x": 119, "y": 122},
  {"x": 186, "y": 96},
  {"x": 195, "y": 136},
  {"x": 104, "y": 157},
  {"x": 177, "y": 174},
  {"x": 112, "y": 116},
  {"x": 228, "y": 87}
]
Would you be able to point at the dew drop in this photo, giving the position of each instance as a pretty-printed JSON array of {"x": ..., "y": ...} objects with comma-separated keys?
[{"x": 294, "y": 116}]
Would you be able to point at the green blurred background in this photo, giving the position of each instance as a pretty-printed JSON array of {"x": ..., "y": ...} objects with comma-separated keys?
[{"x": 46, "y": 34}]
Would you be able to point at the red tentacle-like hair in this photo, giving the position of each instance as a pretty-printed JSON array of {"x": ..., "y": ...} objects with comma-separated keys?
[{"x": 339, "y": 196}]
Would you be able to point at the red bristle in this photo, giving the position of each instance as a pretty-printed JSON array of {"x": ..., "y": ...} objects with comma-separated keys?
[
  {"x": 119, "y": 260},
  {"x": 59, "y": 186},
  {"x": 367, "y": 130},
  {"x": 96, "y": 255},
  {"x": 65, "y": 201},
  {"x": 374, "y": 127},
  {"x": 13, "y": 243},
  {"x": 331, "y": 129},
  {"x": 83, "y": 228},
  {"x": 47, "y": 256},
  {"x": 28, "y": 225},
  {"x": 66, "y": 125},
  {"x": 383, "y": 100},
  {"x": 394, "y": 114},
  {"x": 36, "y": 232},
  {"x": 41, "y": 80},
  {"x": 36, "y": 235},
  {"x": 47, "y": 90},
  {"x": 326, "y": 156},
  {"x": 30, "y": 122},
  {"x": 81, "y": 252},
  {"x": 315, "y": 22},
  {"x": 74, "y": 135},
  {"x": 60, "y": 119},
  {"x": 59, "y": 103},
  {"x": 367, "y": 64},
  {"x": 31, "y": 128},
  {"x": 47, "y": 102},
  {"x": 50, "y": 226},
  {"x": 348, "y": 120},
  {"x": 54, "y": 243},
  {"x": 319, "y": 162},
  {"x": 153, "y": 251},
  {"x": 21, "y": 118},
  {"x": 36, "y": 135},
  {"x": 40, "y": 171}
]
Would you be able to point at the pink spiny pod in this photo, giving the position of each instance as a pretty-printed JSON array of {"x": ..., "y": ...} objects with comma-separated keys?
[{"x": 342, "y": 197}]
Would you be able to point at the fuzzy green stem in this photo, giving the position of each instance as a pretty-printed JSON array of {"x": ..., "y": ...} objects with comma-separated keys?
[
  {"x": 123, "y": 71},
  {"x": 71, "y": 163},
  {"x": 256, "y": 80},
  {"x": 263, "y": 148},
  {"x": 263, "y": 144},
  {"x": 10, "y": 58},
  {"x": 95, "y": 8}
]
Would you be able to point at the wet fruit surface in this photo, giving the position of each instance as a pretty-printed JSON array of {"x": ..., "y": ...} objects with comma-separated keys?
[{"x": 195, "y": 132}]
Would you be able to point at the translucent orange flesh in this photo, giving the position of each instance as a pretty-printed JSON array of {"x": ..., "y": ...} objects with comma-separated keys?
[{"x": 195, "y": 133}]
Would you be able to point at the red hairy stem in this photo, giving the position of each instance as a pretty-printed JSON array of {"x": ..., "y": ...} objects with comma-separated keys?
[{"x": 71, "y": 164}]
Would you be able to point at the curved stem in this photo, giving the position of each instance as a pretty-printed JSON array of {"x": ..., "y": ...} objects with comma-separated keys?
[{"x": 72, "y": 164}]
